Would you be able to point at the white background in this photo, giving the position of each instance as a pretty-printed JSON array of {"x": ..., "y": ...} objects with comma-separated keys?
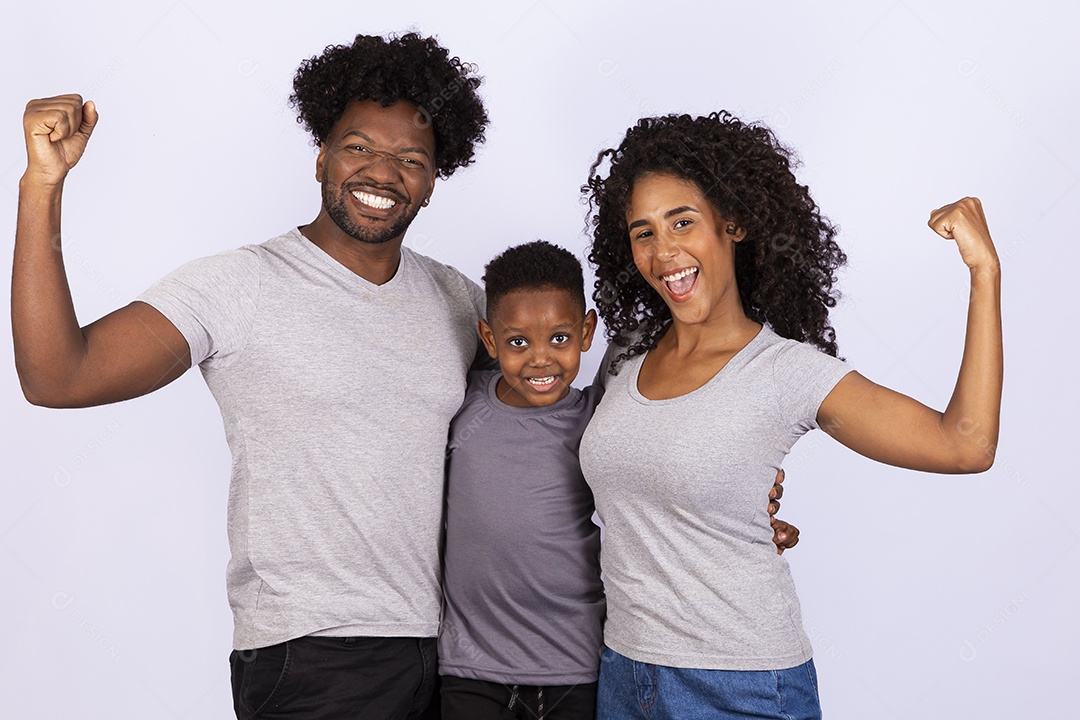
[{"x": 925, "y": 596}]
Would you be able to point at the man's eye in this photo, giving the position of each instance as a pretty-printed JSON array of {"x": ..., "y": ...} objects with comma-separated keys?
[
  {"x": 517, "y": 342},
  {"x": 411, "y": 162},
  {"x": 682, "y": 222},
  {"x": 359, "y": 148},
  {"x": 560, "y": 338}
]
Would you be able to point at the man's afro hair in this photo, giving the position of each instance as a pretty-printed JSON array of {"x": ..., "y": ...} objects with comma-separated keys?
[{"x": 411, "y": 68}]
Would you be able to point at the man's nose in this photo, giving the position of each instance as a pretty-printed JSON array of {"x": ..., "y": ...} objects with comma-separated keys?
[{"x": 382, "y": 166}]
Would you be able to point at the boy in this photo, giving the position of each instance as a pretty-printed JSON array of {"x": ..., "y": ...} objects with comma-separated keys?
[{"x": 524, "y": 604}]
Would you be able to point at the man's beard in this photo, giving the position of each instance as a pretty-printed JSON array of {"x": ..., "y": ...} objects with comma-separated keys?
[{"x": 337, "y": 207}]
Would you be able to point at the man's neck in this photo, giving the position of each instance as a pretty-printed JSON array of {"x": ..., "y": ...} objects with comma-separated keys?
[{"x": 375, "y": 262}]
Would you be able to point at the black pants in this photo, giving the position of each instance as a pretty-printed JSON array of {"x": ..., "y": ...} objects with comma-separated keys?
[
  {"x": 338, "y": 678},
  {"x": 464, "y": 699}
]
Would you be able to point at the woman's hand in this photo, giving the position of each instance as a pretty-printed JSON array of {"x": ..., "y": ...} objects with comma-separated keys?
[{"x": 964, "y": 222}]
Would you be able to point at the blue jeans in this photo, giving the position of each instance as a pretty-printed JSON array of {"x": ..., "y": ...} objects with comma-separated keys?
[{"x": 631, "y": 689}]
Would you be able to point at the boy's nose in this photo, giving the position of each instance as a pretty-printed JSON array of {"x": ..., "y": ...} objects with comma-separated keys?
[{"x": 540, "y": 357}]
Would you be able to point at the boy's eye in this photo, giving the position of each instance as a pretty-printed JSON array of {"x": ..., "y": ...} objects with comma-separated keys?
[
  {"x": 560, "y": 338},
  {"x": 518, "y": 342}
]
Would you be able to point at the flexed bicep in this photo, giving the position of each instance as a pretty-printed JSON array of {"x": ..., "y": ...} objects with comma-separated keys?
[
  {"x": 892, "y": 428},
  {"x": 127, "y": 353}
]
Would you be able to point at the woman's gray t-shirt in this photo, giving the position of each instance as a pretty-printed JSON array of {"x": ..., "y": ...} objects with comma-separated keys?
[{"x": 691, "y": 573}]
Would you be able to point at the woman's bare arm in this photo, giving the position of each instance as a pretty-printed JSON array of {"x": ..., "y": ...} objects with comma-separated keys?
[{"x": 890, "y": 427}]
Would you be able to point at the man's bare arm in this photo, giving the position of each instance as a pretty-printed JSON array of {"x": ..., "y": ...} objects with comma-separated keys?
[
  {"x": 785, "y": 535},
  {"x": 125, "y": 354}
]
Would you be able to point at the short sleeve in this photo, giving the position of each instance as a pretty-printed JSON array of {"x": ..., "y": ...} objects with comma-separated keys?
[
  {"x": 478, "y": 297},
  {"x": 602, "y": 374},
  {"x": 481, "y": 361},
  {"x": 804, "y": 377},
  {"x": 212, "y": 302}
]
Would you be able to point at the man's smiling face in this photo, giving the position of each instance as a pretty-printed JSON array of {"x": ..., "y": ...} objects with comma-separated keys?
[{"x": 377, "y": 167}]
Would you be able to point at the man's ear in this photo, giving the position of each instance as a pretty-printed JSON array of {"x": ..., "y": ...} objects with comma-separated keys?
[
  {"x": 588, "y": 327},
  {"x": 319, "y": 163},
  {"x": 487, "y": 337},
  {"x": 425, "y": 201}
]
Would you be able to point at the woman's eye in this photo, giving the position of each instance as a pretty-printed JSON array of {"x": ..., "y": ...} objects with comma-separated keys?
[
  {"x": 517, "y": 342},
  {"x": 682, "y": 223},
  {"x": 643, "y": 235},
  {"x": 560, "y": 338}
]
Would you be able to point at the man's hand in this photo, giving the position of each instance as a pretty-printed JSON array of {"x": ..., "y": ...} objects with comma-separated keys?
[
  {"x": 57, "y": 130},
  {"x": 785, "y": 535}
]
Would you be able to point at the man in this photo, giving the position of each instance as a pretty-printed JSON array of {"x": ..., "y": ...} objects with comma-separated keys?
[{"x": 337, "y": 357}]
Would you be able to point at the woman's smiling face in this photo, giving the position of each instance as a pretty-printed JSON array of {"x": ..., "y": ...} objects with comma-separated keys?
[{"x": 683, "y": 248}]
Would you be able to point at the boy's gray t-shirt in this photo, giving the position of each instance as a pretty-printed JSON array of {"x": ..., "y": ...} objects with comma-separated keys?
[
  {"x": 690, "y": 569},
  {"x": 524, "y": 600},
  {"x": 336, "y": 395}
]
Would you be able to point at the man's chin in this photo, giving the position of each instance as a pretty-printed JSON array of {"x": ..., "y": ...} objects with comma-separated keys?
[{"x": 369, "y": 235}]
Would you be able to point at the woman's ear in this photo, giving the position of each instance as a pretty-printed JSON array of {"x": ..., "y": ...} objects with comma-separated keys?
[{"x": 737, "y": 232}]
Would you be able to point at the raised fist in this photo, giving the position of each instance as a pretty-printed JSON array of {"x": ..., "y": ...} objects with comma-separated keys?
[
  {"x": 56, "y": 130},
  {"x": 964, "y": 222}
]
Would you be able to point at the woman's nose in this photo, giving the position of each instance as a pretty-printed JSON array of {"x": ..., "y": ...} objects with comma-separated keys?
[{"x": 666, "y": 247}]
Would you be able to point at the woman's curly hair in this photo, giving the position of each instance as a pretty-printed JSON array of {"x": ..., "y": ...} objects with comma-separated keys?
[
  {"x": 785, "y": 266},
  {"x": 409, "y": 67}
]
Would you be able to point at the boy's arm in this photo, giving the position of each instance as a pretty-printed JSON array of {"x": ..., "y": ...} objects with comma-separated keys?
[{"x": 125, "y": 354}]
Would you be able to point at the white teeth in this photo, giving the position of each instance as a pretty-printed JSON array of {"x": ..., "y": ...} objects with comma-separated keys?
[
  {"x": 679, "y": 275},
  {"x": 374, "y": 200},
  {"x": 542, "y": 381}
]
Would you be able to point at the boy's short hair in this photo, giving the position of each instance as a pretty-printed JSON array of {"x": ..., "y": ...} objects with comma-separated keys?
[{"x": 537, "y": 265}]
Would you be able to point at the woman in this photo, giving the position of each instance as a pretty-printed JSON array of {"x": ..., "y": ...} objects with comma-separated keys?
[{"x": 715, "y": 274}]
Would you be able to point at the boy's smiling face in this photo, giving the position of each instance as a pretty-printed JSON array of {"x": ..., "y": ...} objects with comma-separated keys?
[{"x": 537, "y": 335}]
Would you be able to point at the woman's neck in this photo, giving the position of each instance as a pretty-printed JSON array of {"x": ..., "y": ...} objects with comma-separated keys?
[{"x": 726, "y": 333}]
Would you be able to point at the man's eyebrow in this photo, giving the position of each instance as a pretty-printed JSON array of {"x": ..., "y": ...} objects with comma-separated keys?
[
  {"x": 363, "y": 136},
  {"x": 674, "y": 211},
  {"x": 358, "y": 134}
]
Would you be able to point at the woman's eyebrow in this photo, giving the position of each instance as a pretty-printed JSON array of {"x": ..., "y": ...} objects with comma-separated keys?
[{"x": 674, "y": 211}]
